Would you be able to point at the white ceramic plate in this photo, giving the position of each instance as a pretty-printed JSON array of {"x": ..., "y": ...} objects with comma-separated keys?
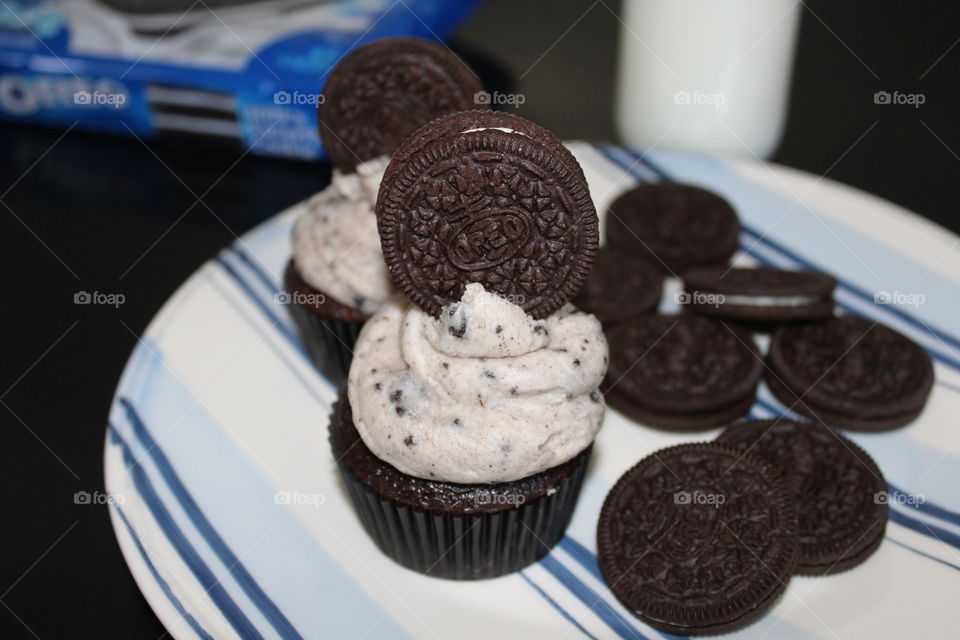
[{"x": 234, "y": 521}]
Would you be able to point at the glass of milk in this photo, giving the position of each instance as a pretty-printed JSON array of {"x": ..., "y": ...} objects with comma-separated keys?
[{"x": 706, "y": 75}]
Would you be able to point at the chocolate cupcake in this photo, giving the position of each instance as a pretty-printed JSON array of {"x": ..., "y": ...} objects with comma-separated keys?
[
  {"x": 374, "y": 98},
  {"x": 463, "y": 531},
  {"x": 470, "y": 414}
]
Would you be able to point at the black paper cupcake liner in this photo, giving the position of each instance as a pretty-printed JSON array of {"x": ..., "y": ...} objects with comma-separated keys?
[
  {"x": 328, "y": 328},
  {"x": 472, "y": 546},
  {"x": 329, "y": 341}
]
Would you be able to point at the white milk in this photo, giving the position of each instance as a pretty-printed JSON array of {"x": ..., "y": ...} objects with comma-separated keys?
[{"x": 708, "y": 76}]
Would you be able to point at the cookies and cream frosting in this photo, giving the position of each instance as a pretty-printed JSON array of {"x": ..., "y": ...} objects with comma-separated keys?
[
  {"x": 336, "y": 248},
  {"x": 482, "y": 394}
]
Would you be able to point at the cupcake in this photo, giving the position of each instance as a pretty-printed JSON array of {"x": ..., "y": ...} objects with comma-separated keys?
[
  {"x": 337, "y": 278},
  {"x": 374, "y": 98},
  {"x": 472, "y": 403}
]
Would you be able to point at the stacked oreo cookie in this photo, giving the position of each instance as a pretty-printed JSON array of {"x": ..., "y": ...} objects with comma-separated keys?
[
  {"x": 703, "y": 538},
  {"x": 850, "y": 372},
  {"x": 689, "y": 233},
  {"x": 681, "y": 372},
  {"x": 700, "y": 369}
]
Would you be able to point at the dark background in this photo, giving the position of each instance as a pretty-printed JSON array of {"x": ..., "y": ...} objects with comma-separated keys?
[{"x": 86, "y": 212}]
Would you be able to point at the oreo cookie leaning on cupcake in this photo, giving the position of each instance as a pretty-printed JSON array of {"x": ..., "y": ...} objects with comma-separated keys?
[
  {"x": 472, "y": 403},
  {"x": 373, "y": 99}
]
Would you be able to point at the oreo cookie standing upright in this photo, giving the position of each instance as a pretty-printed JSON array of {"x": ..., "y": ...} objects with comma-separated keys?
[
  {"x": 676, "y": 226},
  {"x": 840, "y": 492},
  {"x": 759, "y": 295},
  {"x": 681, "y": 372},
  {"x": 850, "y": 372},
  {"x": 491, "y": 198},
  {"x": 698, "y": 539}
]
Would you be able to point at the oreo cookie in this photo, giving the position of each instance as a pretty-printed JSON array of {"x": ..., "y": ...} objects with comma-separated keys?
[
  {"x": 620, "y": 287},
  {"x": 698, "y": 539},
  {"x": 381, "y": 92},
  {"x": 681, "y": 372},
  {"x": 839, "y": 490},
  {"x": 758, "y": 295},
  {"x": 677, "y": 226},
  {"x": 491, "y": 198},
  {"x": 850, "y": 372}
]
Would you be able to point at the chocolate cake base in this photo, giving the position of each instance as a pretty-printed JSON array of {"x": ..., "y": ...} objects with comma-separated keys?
[
  {"x": 449, "y": 530},
  {"x": 328, "y": 329}
]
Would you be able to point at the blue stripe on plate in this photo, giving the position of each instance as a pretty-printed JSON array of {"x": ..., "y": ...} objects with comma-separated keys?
[
  {"x": 191, "y": 558},
  {"x": 553, "y": 603},
  {"x": 248, "y": 289},
  {"x": 930, "y": 508},
  {"x": 261, "y": 280},
  {"x": 924, "y": 554},
  {"x": 930, "y": 530},
  {"x": 265, "y": 279},
  {"x": 167, "y": 591},
  {"x": 948, "y": 385},
  {"x": 583, "y": 556},
  {"x": 298, "y": 346},
  {"x": 589, "y": 597},
  {"x": 239, "y": 572},
  {"x": 588, "y": 560}
]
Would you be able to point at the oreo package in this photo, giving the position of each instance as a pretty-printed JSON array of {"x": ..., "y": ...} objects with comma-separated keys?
[{"x": 246, "y": 74}]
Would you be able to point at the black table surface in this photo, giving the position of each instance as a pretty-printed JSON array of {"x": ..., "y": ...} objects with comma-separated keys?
[{"x": 83, "y": 212}]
